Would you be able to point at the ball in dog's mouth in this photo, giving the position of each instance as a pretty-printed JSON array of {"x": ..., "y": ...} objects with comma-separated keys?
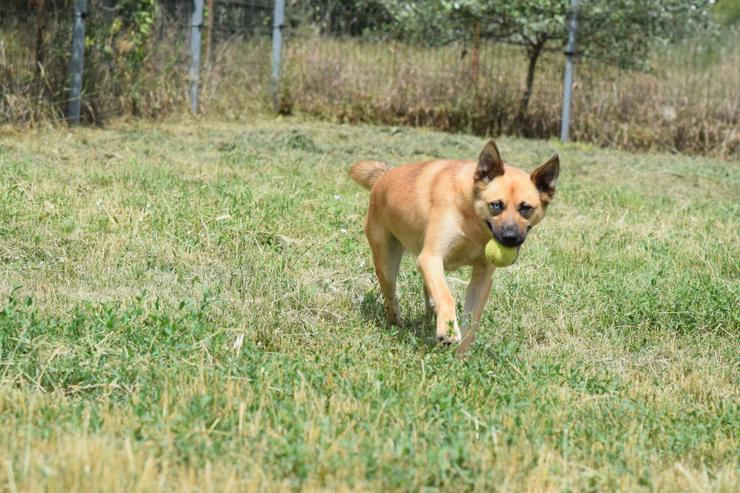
[{"x": 500, "y": 255}]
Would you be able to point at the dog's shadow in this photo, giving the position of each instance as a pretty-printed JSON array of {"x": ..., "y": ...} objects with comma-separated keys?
[{"x": 417, "y": 329}]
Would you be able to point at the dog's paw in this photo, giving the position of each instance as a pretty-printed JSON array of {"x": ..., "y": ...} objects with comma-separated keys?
[
  {"x": 392, "y": 313},
  {"x": 394, "y": 319},
  {"x": 450, "y": 335},
  {"x": 447, "y": 340}
]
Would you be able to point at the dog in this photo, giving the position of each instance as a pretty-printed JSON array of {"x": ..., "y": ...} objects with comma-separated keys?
[{"x": 444, "y": 212}]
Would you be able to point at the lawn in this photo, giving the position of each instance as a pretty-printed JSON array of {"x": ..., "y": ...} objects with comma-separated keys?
[{"x": 192, "y": 306}]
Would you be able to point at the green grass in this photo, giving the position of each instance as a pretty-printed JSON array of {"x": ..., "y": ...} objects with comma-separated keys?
[{"x": 193, "y": 307}]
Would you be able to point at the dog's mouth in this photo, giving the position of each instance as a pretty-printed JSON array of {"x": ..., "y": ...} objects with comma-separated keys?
[
  {"x": 511, "y": 242},
  {"x": 490, "y": 227}
]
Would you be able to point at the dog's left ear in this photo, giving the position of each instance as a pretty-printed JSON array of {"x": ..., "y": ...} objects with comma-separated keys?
[
  {"x": 490, "y": 164},
  {"x": 545, "y": 176}
]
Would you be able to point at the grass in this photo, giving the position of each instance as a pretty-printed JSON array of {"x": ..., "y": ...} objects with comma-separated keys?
[{"x": 191, "y": 306}]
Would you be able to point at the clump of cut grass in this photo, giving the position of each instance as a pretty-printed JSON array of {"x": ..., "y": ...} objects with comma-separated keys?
[{"x": 194, "y": 307}]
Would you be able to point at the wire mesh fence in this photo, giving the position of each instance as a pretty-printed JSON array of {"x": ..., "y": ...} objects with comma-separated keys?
[
  {"x": 684, "y": 97},
  {"x": 335, "y": 64},
  {"x": 33, "y": 51}
]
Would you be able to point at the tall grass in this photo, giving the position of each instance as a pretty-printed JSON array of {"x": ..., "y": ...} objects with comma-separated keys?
[
  {"x": 120, "y": 78},
  {"x": 31, "y": 94},
  {"x": 689, "y": 101}
]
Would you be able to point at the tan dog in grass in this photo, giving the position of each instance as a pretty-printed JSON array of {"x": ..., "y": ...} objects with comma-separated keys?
[{"x": 444, "y": 212}]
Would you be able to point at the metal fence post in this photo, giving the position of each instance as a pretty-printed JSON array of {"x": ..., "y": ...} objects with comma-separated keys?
[
  {"x": 76, "y": 63},
  {"x": 570, "y": 52},
  {"x": 196, "y": 23},
  {"x": 278, "y": 20}
]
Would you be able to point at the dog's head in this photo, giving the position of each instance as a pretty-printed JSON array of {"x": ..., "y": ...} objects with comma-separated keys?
[{"x": 510, "y": 201}]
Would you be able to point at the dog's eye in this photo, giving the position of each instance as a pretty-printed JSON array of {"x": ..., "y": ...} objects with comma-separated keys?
[
  {"x": 496, "y": 207},
  {"x": 525, "y": 209}
]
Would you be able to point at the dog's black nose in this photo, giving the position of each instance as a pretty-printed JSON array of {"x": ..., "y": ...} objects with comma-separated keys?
[
  {"x": 510, "y": 238},
  {"x": 509, "y": 235}
]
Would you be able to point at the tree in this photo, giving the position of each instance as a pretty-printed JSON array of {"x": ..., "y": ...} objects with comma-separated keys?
[
  {"x": 340, "y": 17},
  {"x": 616, "y": 31},
  {"x": 727, "y": 12}
]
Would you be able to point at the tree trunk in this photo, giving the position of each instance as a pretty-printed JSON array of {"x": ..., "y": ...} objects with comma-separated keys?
[
  {"x": 533, "y": 52},
  {"x": 40, "y": 28},
  {"x": 475, "y": 61}
]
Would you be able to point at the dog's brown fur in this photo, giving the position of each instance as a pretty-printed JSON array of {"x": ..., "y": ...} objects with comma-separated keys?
[{"x": 444, "y": 212}]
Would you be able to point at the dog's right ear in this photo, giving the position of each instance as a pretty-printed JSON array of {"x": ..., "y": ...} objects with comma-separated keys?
[
  {"x": 545, "y": 177},
  {"x": 490, "y": 164}
]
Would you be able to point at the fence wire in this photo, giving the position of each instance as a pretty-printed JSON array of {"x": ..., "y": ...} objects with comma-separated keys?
[{"x": 336, "y": 63}]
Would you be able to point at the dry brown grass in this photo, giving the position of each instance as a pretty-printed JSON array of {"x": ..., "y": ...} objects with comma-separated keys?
[{"x": 689, "y": 102}]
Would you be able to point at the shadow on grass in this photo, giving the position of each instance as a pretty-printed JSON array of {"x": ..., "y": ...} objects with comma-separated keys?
[{"x": 417, "y": 330}]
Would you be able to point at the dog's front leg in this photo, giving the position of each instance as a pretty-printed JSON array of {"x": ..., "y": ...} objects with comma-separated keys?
[
  {"x": 428, "y": 304},
  {"x": 475, "y": 301},
  {"x": 432, "y": 270}
]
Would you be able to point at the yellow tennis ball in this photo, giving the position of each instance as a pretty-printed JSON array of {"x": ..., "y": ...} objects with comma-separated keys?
[{"x": 500, "y": 255}]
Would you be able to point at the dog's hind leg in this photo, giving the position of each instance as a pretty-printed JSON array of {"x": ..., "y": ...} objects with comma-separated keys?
[
  {"x": 387, "y": 254},
  {"x": 476, "y": 298}
]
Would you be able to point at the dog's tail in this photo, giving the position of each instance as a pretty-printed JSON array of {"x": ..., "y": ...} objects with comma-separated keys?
[{"x": 366, "y": 173}]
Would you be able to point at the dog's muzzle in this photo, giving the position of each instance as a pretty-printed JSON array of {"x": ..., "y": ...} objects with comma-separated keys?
[{"x": 509, "y": 236}]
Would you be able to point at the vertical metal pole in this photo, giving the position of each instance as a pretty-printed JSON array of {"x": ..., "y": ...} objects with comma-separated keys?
[
  {"x": 278, "y": 20},
  {"x": 196, "y": 23},
  {"x": 75, "y": 64},
  {"x": 570, "y": 51}
]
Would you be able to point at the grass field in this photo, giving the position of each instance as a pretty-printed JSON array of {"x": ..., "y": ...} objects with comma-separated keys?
[{"x": 192, "y": 307}]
